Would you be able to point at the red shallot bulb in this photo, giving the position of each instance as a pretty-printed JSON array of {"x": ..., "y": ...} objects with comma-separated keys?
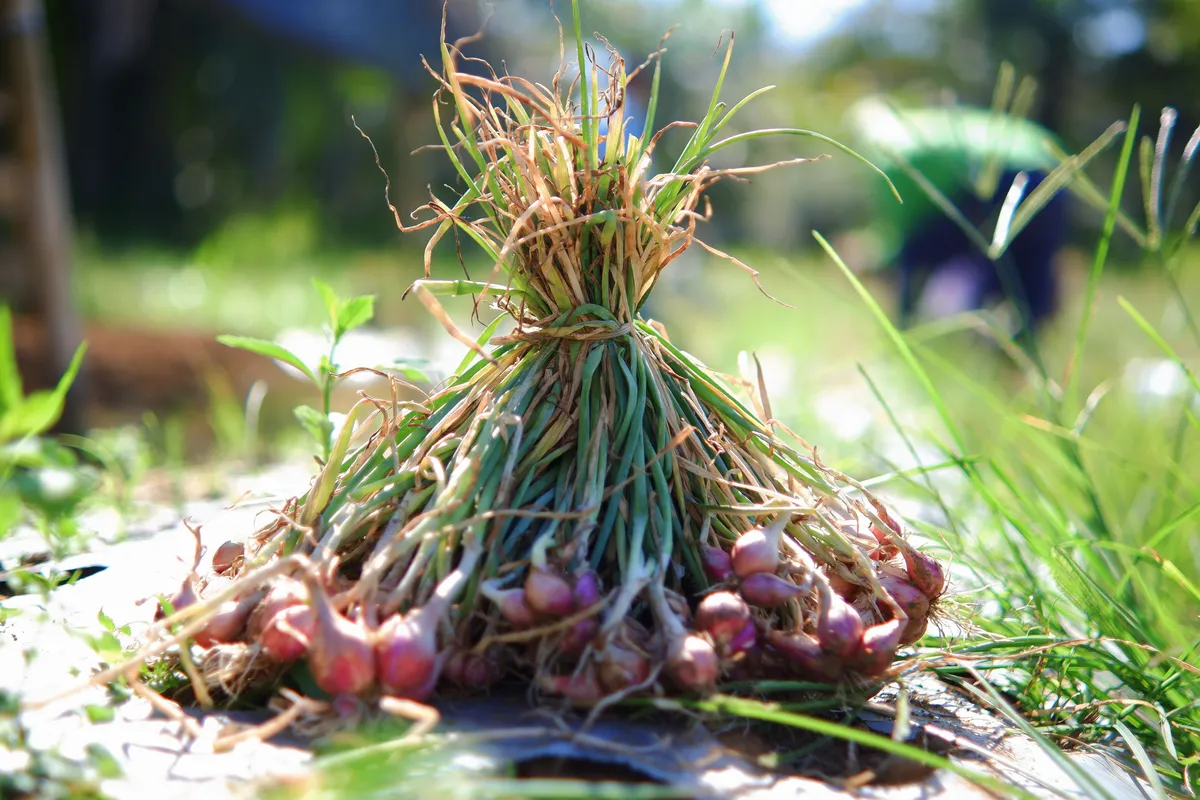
[
  {"x": 717, "y": 564},
  {"x": 757, "y": 550},
  {"x": 548, "y": 593},
  {"x": 722, "y": 615},
  {"x": 839, "y": 628},
  {"x": 286, "y": 635},
  {"x": 926, "y": 573},
  {"x": 226, "y": 556},
  {"x": 586, "y": 592},
  {"x": 744, "y": 641},
  {"x": 406, "y": 655},
  {"x": 579, "y": 688},
  {"x": 878, "y": 648},
  {"x": 692, "y": 664},
  {"x": 512, "y": 604},
  {"x": 765, "y": 590},
  {"x": 227, "y": 623},
  {"x": 804, "y": 652},
  {"x": 340, "y": 655}
]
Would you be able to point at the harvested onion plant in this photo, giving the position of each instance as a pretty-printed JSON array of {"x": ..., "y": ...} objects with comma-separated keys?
[{"x": 584, "y": 508}]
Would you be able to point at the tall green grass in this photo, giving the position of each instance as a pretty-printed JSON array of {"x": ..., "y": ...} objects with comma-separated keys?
[
  {"x": 1069, "y": 498},
  {"x": 1085, "y": 550}
]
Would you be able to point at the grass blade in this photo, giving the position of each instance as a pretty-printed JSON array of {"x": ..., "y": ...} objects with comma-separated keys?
[
  {"x": 1181, "y": 174},
  {"x": 1166, "y": 123},
  {"x": 743, "y": 137},
  {"x": 1143, "y": 760},
  {"x": 989, "y": 695},
  {"x": 989, "y": 174},
  {"x": 770, "y": 712},
  {"x": 1058, "y": 178},
  {"x": 1145, "y": 157},
  {"x": 899, "y": 341},
  {"x": 1160, "y": 341},
  {"x": 1101, "y": 254}
]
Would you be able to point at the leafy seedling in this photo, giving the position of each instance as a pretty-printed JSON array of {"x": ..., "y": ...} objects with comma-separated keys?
[{"x": 344, "y": 316}]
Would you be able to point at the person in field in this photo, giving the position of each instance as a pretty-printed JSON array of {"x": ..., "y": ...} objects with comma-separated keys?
[{"x": 940, "y": 270}]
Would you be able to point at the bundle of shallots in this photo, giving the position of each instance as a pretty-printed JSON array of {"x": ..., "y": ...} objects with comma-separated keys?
[{"x": 583, "y": 506}]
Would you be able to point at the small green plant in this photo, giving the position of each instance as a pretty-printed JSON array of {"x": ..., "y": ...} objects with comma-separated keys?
[
  {"x": 125, "y": 454},
  {"x": 37, "y": 475},
  {"x": 47, "y": 483},
  {"x": 344, "y": 316},
  {"x": 25, "y": 416},
  {"x": 26, "y": 772},
  {"x": 235, "y": 422}
]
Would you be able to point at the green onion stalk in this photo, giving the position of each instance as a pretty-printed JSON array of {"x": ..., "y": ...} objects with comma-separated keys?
[{"x": 583, "y": 508}]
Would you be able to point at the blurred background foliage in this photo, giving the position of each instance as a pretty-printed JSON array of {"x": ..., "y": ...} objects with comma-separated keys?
[
  {"x": 225, "y": 127},
  {"x": 215, "y": 168}
]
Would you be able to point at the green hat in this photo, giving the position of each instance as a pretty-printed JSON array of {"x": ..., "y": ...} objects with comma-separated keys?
[{"x": 949, "y": 146}]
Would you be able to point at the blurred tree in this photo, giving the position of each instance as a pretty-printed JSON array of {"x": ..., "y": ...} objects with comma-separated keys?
[{"x": 179, "y": 114}]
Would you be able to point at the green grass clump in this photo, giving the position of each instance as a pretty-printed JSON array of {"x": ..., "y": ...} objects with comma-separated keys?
[
  {"x": 1066, "y": 491},
  {"x": 1084, "y": 550}
]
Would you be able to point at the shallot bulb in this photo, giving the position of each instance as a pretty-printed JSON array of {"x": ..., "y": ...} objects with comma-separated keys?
[
  {"x": 227, "y": 555},
  {"x": 912, "y": 600},
  {"x": 548, "y": 593},
  {"x": 186, "y": 596},
  {"x": 722, "y": 615},
  {"x": 481, "y": 671},
  {"x": 766, "y": 590},
  {"x": 804, "y": 652},
  {"x": 692, "y": 664},
  {"x": 227, "y": 623},
  {"x": 287, "y": 634},
  {"x": 717, "y": 564},
  {"x": 455, "y": 667},
  {"x": 620, "y": 668},
  {"x": 586, "y": 592},
  {"x": 512, "y": 604},
  {"x": 472, "y": 669},
  {"x": 582, "y": 687},
  {"x": 926, "y": 573},
  {"x": 839, "y": 628},
  {"x": 744, "y": 641},
  {"x": 283, "y": 594},
  {"x": 757, "y": 550},
  {"x": 579, "y": 636},
  {"x": 913, "y": 633},
  {"x": 340, "y": 656},
  {"x": 406, "y": 655},
  {"x": 878, "y": 647}
]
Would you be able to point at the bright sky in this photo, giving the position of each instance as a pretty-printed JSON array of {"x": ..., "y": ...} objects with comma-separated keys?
[{"x": 800, "y": 23}]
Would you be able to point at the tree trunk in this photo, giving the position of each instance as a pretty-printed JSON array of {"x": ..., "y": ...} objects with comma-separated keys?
[{"x": 44, "y": 216}]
